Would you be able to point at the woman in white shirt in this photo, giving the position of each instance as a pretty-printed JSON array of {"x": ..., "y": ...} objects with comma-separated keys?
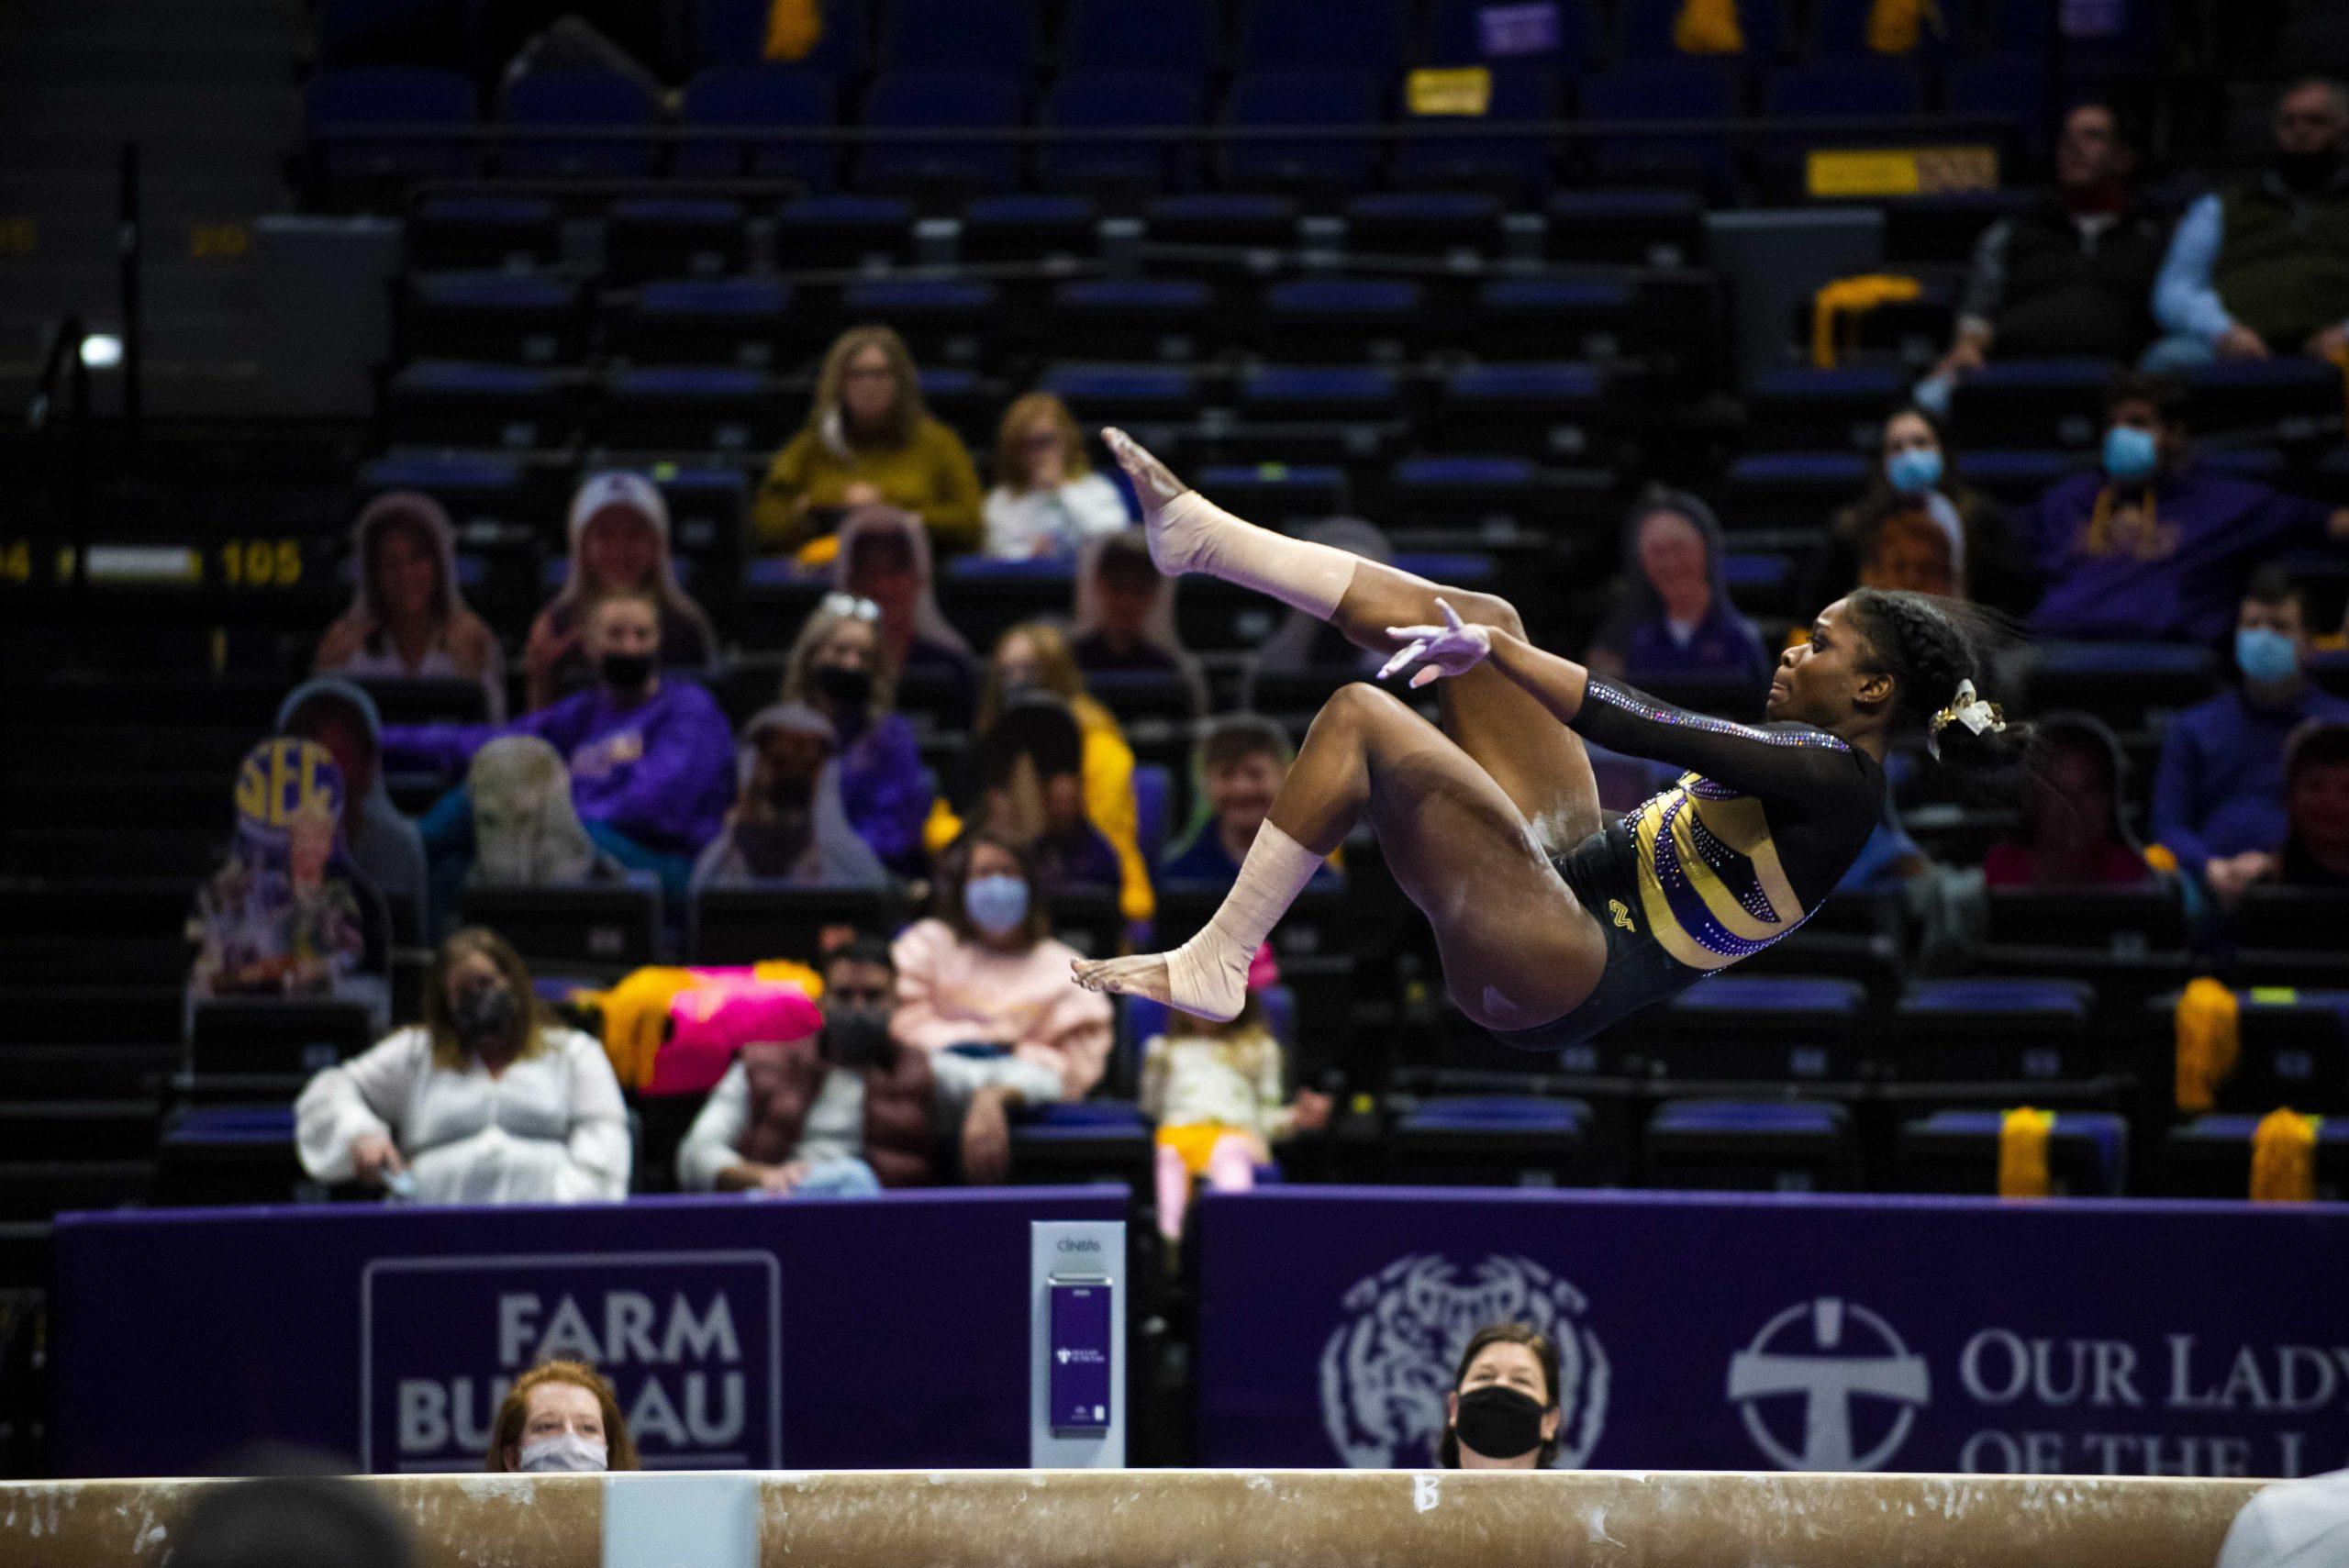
[
  {"x": 1047, "y": 500},
  {"x": 489, "y": 1100}
]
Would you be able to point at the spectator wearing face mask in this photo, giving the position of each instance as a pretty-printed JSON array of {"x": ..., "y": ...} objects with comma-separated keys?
[
  {"x": 840, "y": 668},
  {"x": 2071, "y": 275},
  {"x": 408, "y": 618},
  {"x": 2262, "y": 268},
  {"x": 1125, "y": 615},
  {"x": 560, "y": 1416},
  {"x": 488, "y": 1100},
  {"x": 1503, "y": 1412},
  {"x": 651, "y": 759},
  {"x": 1035, "y": 657},
  {"x": 1917, "y": 471},
  {"x": 788, "y": 828},
  {"x": 1674, "y": 619},
  {"x": 1047, "y": 501},
  {"x": 849, "y": 1109},
  {"x": 2219, "y": 801},
  {"x": 383, "y": 845},
  {"x": 984, "y": 975},
  {"x": 620, "y": 543},
  {"x": 2075, "y": 828},
  {"x": 1237, "y": 768},
  {"x": 2156, "y": 545}
]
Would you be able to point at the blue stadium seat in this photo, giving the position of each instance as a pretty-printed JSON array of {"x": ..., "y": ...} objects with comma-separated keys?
[
  {"x": 761, "y": 98},
  {"x": 452, "y": 233},
  {"x": 1126, "y": 101},
  {"x": 2012, "y": 87},
  {"x": 441, "y": 403},
  {"x": 1554, "y": 318},
  {"x": 2292, "y": 394},
  {"x": 960, "y": 100},
  {"x": 1780, "y": 490},
  {"x": 1504, "y": 1141},
  {"x": 2293, "y": 1040},
  {"x": 1028, "y": 227},
  {"x": 843, "y": 231},
  {"x": 1153, "y": 807},
  {"x": 1454, "y": 491},
  {"x": 2211, "y": 1157},
  {"x": 2033, "y": 403},
  {"x": 1838, "y": 31},
  {"x": 597, "y": 100},
  {"x": 1757, "y": 1028},
  {"x": 1277, "y": 492},
  {"x": 674, "y": 237},
  {"x": 710, "y": 321},
  {"x": 1223, "y": 218},
  {"x": 1111, "y": 392},
  {"x": 2139, "y": 34},
  {"x": 1992, "y": 1032},
  {"x": 1665, "y": 89},
  {"x": 1340, "y": 317},
  {"x": 1137, "y": 317},
  {"x": 941, "y": 318},
  {"x": 734, "y": 32},
  {"x": 1537, "y": 408},
  {"x": 708, "y": 505},
  {"x": 358, "y": 32},
  {"x": 1180, "y": 36},
  {"x": 520, "y": 318},
  {"x": 389, "y": 95},
  {"x": 1091, "y": 1140},
  {"x": 2121, "y": 681},
  {"x": 1822, "y": 410},
  {"x": 214, "y": 1156},
  {"x": 1456, "y": 35},
  {"x": 474, "y": 488},
  {"x": 1957, "y": 1151},
  {"x": 1318, "y": 392},
  {"x": 994, "y": 35},
  {"x": 1425, "y": 223},
  {"x": 695, "y": 407},
  {"x": 1864, "y": 88},
  {"x": 1750, "y": 1145},
  {"x": 1644, "y": 31},
  {"x": 1642, "y": 228},
  {"x": 745, "y": 925},
  {"x": 1322, "y": 35},
  {"x": 2016, "y": 476},
  {"x": 572, "y": 929},
  {"x": 1321, "y": 98},
  {"x": 1519, "y": 167}
]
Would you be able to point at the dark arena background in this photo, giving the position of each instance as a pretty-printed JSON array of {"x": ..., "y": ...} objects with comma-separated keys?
[{"x": 579, "y": 680}]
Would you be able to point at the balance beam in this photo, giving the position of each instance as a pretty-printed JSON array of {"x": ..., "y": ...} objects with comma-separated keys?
[{"x": 1190, "y": 1518}]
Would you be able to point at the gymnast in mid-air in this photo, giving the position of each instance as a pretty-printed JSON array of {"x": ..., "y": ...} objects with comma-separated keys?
[{"x": 1552, "y": 921}]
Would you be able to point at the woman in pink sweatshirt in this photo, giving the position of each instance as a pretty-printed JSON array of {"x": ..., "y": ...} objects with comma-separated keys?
[{"x": 983, "y": 973}]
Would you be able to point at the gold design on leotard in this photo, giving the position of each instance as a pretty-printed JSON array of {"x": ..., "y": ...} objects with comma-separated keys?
[
  {"x": 1700, "y": 836},
  {"x": 1619, "y": 914}
]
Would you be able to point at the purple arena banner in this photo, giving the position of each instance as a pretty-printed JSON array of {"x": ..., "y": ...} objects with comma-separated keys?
[
  {"x": 1719, "y": 1331},
  {"x": 738, "y": 1334}
]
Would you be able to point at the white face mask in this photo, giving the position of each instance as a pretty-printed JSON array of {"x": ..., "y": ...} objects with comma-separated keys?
[{"x": 563, "y": 1452}]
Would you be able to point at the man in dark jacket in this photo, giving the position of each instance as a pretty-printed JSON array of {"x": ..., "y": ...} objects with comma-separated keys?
[
  {"x": 2262, "y": 268},
  {"x": 849, "y": 1110},
  {"x": 2073, "y": 272}
]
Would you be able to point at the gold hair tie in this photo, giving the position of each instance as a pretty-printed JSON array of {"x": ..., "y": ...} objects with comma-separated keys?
[{"x": 1967, "y": 708}]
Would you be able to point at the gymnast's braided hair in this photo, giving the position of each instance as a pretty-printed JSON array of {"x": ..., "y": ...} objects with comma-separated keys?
[{"x": 1938, "y": 651}]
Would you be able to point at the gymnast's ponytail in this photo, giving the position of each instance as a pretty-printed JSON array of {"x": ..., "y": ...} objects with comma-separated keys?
[{"x": 1938, "y": 652}]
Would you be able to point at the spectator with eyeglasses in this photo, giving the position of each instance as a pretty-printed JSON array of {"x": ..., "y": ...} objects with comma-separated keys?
[
  {"x": 1047, "y": 501},
  {"x": 840, "y": 668},
  {"x": 869, "y": 440}
]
